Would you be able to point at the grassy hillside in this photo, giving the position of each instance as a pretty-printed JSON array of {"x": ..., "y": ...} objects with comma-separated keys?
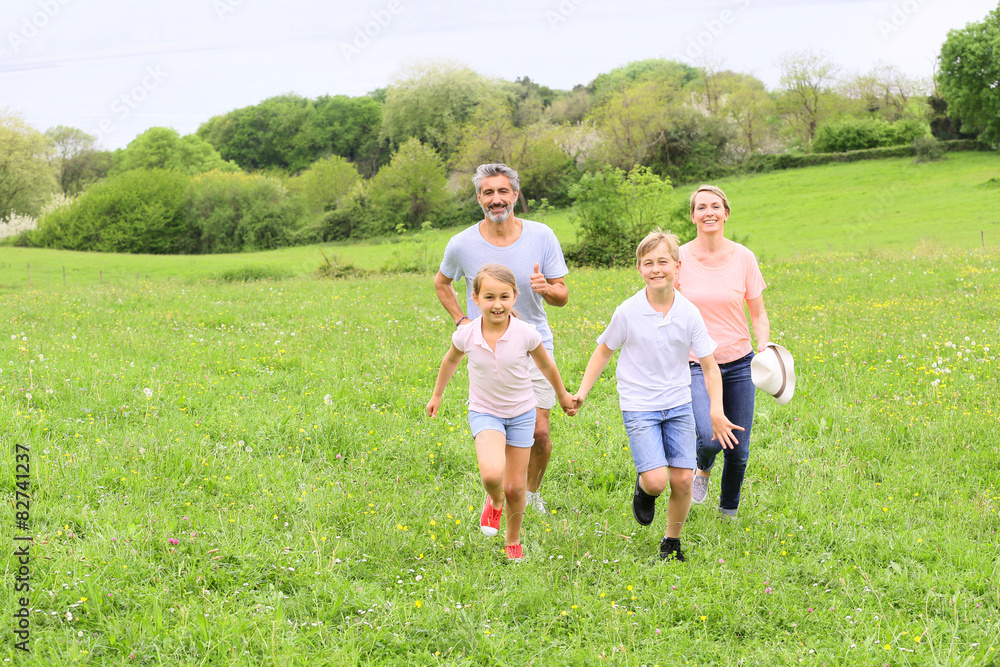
[
  {"x": 888, "y": 204},
  {"x": 243, "y": 474}
]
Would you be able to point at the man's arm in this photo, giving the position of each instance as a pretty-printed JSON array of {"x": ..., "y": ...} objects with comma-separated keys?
[
  {"x": 448, "y": 298},
  {"x": 553, "y": 290}
]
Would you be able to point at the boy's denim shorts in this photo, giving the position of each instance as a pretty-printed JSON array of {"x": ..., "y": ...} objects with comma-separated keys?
[
  {"x": 519, "y": 430},
  {"x": 662, "y": 438}
]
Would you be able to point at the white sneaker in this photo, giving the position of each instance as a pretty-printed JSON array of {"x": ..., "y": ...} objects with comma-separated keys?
[
  {"x": 534, "y": 499},
  {"x": 699, "y": 491}
]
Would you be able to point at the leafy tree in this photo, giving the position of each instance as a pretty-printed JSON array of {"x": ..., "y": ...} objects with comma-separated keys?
[
  {"x": 76, "y": 159},
  {"x": 615, "y": 210},
  {"x": 266, "y": 134},
  {"x": 887, "y": 92},
  {"x": 807, "y": 80},
  {"x": 26, "y": 179},
  {"x": 432, "y": 102},
  {"x": 410, "y": 189},
  {"x": 632, "y": 119},
  {"x": 163, "y": 148},
  {"x": 349, "y": 127},
  {"x": 968, "y": 76},
  {"x": 325, "y": 182},
  {"x": 139, "y": 211},
  {"x": 570, "y": 107},
  {"x": 751, "y": 110},
  {"x": 664, "y": 74}
]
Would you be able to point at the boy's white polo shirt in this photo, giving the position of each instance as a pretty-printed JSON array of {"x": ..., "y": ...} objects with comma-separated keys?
[
  {"x": 653, "y": 372},
  {"x": 500, "y": 380}
]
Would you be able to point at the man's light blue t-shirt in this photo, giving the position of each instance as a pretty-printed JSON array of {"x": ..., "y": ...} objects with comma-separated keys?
[{"x": 468, "y": 251}]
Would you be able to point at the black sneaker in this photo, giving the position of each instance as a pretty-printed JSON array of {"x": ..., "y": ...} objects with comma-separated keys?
[
  {"x": 670, "y": 549},
  {"x": 643, "y": 505}
]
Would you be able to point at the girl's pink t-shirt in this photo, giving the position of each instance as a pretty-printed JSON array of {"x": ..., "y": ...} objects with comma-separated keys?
[
  {"x": 720, "y": 294},
  {"x": 500, "y": 380}
]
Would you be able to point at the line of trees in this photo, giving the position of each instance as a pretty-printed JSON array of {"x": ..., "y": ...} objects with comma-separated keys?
[{"x": 400, "y": 158}]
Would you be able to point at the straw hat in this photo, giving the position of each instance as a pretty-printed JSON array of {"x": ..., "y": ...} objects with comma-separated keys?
[{"x": 773, "y": 371}]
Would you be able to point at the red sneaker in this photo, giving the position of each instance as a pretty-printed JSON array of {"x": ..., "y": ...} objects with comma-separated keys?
[
  {"x": 489, "y": 520},
  {"x": 514, "y": 552}
]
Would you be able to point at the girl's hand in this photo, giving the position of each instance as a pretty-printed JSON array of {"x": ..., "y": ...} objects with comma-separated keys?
[
  {"x": 433, "y": 405},
  {"x": 568, "y": 404},
  {"x": 578, "y": 400},
  {"x": 722, "y": 430}
]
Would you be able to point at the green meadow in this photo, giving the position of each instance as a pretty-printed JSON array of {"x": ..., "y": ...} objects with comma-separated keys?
[{"x": 226, "y": 472}]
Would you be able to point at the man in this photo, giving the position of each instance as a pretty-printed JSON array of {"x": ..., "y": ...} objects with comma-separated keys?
[{"x": 529, "y": 249}]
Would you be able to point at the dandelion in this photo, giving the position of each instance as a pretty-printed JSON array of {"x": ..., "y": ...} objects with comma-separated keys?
[
  {"x": 418, "y": 604},
  {"x": 148, "y": 392},
  {"x": 328, "y": 400}
]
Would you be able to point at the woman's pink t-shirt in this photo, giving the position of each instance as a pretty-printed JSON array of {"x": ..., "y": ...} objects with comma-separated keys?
[
  {"x": 500, "y": 380},
  {"x": 719, "y": 293}
]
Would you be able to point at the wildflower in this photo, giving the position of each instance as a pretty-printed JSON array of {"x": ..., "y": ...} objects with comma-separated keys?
[
  {"x": 328, "y": 400},
  {"x": 173, "y": 540},
  {"x": 148, "y": 392}
]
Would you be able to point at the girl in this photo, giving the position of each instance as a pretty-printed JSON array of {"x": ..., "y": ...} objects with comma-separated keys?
[{"x": 501, "y": 399}]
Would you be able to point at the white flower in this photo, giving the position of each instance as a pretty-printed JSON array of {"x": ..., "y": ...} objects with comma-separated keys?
[
  {"x": 148, "y": 392},
  {"x": 328, "y": 399}
]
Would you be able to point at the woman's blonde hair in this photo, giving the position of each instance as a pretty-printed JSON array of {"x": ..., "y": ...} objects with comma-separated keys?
[
  {"x": 715, "y": 191},
  {"x": 655, "y": 238}
]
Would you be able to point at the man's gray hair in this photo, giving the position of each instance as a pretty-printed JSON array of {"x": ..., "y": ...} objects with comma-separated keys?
[{"x": 496, "y": 169}]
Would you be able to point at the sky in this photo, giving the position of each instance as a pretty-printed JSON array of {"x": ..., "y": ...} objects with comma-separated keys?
[{"x": 115, "y": 68}]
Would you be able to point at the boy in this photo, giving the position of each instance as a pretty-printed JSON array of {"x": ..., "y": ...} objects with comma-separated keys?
[{"x": 656, "y": 329}]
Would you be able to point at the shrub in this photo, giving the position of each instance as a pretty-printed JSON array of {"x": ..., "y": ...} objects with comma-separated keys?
[
  {"x": 616, "y": 210},
  {"x": 252, "y": 273},
  {"x": 851, "y": 134},
  {"x": 333, "y": 268},
  {"x": 410, "y": 189},
  {"x": 927, "y": 149},
  {"x": 232, "y": 212},
  {"x": 142, "y": 211}
]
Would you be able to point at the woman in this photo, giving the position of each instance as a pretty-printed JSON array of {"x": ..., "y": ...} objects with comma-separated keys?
[{"x": 719, "y": 276}]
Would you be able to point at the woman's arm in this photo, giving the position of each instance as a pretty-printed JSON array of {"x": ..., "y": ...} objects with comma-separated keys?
[{"x": 760, "y": 322}]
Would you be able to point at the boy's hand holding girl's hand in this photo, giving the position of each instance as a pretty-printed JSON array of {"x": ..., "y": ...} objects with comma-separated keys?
[
  {"x": 568, "y": 403},
  {"x": 722, "y": 430}
]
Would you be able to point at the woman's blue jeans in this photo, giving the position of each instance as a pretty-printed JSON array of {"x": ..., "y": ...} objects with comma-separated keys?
[{"x": 738, "y": 394}]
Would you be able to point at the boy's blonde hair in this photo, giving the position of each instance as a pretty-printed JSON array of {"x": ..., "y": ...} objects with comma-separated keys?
[
  {"x": 715, "y": 191},
  {"x": 655, "y": 238}
]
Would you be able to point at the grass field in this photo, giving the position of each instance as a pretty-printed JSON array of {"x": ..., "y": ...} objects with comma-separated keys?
[{"x": 241, "y": 473}]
